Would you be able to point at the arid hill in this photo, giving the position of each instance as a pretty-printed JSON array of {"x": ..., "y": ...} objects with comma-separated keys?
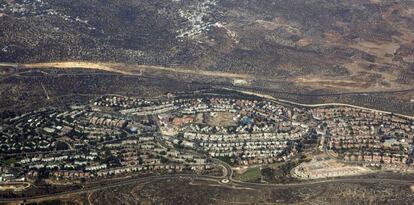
[{"x": 337, "y": 45}]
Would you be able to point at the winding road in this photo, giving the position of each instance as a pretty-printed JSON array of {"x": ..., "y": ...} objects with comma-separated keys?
[
  {"x": 233, "y": 183},
  {"x": 112, "y": 183}
]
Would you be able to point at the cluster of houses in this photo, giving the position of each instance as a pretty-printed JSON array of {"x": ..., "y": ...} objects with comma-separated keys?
[
  {"x": 101, "y": 121},
  {"x": 96, "y": 144},
  {"x": 247, "y": 149},
  {"x": 368, "y": 137},
  {"x": 263, "y": 132},
  {"x": 35, "y": 131},
  {"x": 122, "y": 102},
  {"x": 135, "y": 156},
  {"x": 117, "y": 135}
]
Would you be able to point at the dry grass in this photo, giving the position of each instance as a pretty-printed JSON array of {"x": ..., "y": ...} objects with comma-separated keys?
[
  {"x": 332, "y": 83},
  {"x": 328, "y": 168},
  {"x": 353, "y": 82},
  {"x": 78, "y": 64},
  {"x": 129, "y": 69},
  {"x": 14, "y": 186},
  {"x": 222, "y": 119}
]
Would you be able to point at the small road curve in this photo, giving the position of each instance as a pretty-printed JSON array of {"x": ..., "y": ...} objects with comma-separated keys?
[
  {"x": 112, "y": 183},
  {"x": 307, "y": 183}
]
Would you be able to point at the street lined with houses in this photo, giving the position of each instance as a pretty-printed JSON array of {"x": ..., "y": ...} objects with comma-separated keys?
[{"x": 205, "y": 136}]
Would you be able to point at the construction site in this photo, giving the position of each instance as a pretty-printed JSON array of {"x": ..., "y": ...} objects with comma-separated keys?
[{"x": 319, "y": 168}]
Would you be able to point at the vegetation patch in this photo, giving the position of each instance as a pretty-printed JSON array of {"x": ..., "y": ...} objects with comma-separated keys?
[
  {"x": 227, "y": 159},
  {"x": 253, "y": 174}
]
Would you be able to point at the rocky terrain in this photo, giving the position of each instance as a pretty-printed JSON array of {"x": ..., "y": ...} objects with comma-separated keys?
[
  {"x": 195, "y": 192},
  {"x": 317, "y": 44},
  {"x": 55, "y": 53}
]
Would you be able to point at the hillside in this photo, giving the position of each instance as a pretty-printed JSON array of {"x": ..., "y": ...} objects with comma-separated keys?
[{"x": 340, "y": 45}]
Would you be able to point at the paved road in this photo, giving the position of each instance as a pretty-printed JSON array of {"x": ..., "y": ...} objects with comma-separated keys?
[
  {"x": 112, "y": 183},
  {"x": 228, "y": 168},
  {"x": 309, "y": 183},
  {"x": 122, "y": 182},
  {"x": 233, "y": 184}
]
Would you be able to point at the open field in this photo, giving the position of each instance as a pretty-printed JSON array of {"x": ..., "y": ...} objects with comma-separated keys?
[
  {"x": 131, "y": 69},
  {"x": 336, "y": 46},
  {"x": 17, "y": 187},
  {"x": 186, "y": 191},
  {"x": 305, "y": 54},
  {"x": 76, "y": 84},
  {"x": 313, "y": 82},
  {"x": 252, "y": 174},
  {"x": 317, "y": 169},
  {"x": 223, "y": 119}
]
